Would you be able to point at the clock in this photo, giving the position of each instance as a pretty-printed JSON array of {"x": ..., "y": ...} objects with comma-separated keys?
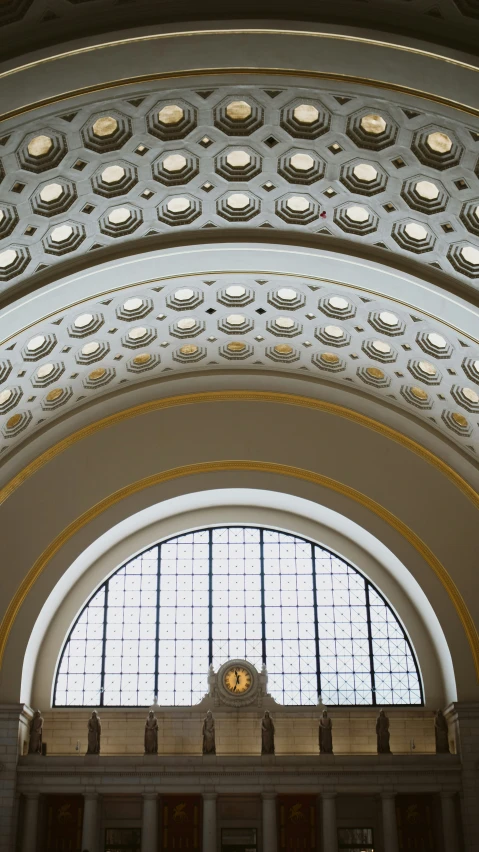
[
  {"x": 237, "y": 684},
  {"x": 237, "y": 679}
]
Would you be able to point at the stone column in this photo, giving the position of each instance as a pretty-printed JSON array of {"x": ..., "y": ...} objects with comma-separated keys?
[
  {"x": 270, "y": 831},
  {"x": 14, "y": 728},
  {"x": 449, "y": 827},
  {"x": 209, "y": 822},
  {"x": 90, "y": 822},
  {"x": 30, "y": 823},
  {"x": 463, "y": 718},
  {"x": 390, "y": 831},
  {"x": 328, "y": 819},
  {"x": 149, "y": 828}
]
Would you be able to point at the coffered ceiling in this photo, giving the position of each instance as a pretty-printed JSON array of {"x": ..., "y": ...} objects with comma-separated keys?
[
  {"x": 243, "y": 321},
  {"x": 176, "y": 162},
  {"x": 114, "y": 176}
]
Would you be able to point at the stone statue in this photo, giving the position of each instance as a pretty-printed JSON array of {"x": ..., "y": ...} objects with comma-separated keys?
[
  {"x": 382, "y": 731},
  {"x": 442, "y": 733},
  {"x": 36, "y": 733},
  {"x": 325, "y": 734},
  {"x": 209, "y": 743},
  {"x": 151, "y": 734},
  {"x": 94, "y": 734},
  {"x": 267, "y": 734}
]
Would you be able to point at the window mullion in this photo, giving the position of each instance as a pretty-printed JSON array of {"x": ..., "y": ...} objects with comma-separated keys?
[
  {"x": 210, "y": 597},
  {"x": 370, "y": 642},
  {"x": 263, "y": 610},
  {"x": 157, "y": 637},
  {"x": 103, "y": 646},
  {"x": 316, "y": 628}
]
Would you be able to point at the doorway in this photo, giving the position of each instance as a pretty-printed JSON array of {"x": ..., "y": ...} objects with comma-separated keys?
[
  {"x": 122, "y": 839},
  {"x": 239, "y": 840}
]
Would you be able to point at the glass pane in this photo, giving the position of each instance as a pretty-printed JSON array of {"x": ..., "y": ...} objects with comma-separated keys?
[
  {"x": 131, "y": 602},
  {"x": 236, "y": 595},
  {"x": 343, "y": 632},
  {"x": 289, "y": 619},
  {"x": 397, "y": 679},
  {"x": 183, "y": 619}
]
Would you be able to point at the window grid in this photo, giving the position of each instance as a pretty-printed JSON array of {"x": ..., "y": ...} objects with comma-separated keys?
[
  {"x": 319, "y": 626},
  {"x": 184, "y": 618},
  {"x": 129, "y": 649},
  {"x": 290, "y": 618},
  {"x": 236, "y": 612}
]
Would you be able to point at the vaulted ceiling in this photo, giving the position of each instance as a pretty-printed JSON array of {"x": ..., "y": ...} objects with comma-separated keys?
[
  {"x": 381, "y": 177},
  {"x": 245, "y": 249},
  {"x": 30, "y": 24},
  {"x": 351, "y": 172}
]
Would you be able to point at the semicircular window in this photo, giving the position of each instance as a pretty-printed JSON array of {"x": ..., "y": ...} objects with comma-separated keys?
[{"x": 158, "y": 623}]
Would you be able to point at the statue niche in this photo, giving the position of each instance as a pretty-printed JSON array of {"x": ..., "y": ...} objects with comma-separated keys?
[
  {"x": 325, "y": 734},
  {"x": 267, "y": 734},
  {"x": 36, "y": 733},
  {"x": 94, "y": 733},
  {"x": 382, "y": 732},
  {"x": 209, "y": 741},
  {"x": 151, "y": 734}
]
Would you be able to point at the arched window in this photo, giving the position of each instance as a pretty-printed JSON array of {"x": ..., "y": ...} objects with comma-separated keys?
[{"x": 154, "y": 627}]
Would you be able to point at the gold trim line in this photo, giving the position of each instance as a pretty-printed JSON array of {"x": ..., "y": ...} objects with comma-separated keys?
[
  {"x": 371, "y": 42},
  {"x": 208, "y": 72},
  {"x": 262, "y": 467},
  {"x": 239, "y": 396}
]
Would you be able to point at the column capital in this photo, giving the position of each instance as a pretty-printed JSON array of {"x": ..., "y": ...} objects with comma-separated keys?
[
  {"x": 328, "y": 794},
  {"x": 34, "y": 795},
  {"x": 462, "y": 710},
  {"x": 150, "y": 796},
  {"x": 210, "y": 797},
  {"x": 268, "y": 794},
  {"x": 388, "y": 794},
  {"x": 15, "y": 711},
  {"x": 91, "y": 796},
  {"x": 447, "y": 794}
]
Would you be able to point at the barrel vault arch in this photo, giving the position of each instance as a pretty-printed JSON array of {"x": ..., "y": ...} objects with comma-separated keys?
[{"x": 238, "y": 287}]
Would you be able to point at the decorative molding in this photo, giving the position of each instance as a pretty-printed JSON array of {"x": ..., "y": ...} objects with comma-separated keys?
[
  {"x": 91, "y": 353},
  {"x": 249, "y": 31}
]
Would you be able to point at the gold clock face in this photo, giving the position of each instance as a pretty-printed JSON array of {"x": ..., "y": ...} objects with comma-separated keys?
[{"x": 237, "y": 680}]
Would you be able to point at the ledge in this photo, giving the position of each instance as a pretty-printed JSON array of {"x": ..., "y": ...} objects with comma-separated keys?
[{"x": 345, "y": 773}]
